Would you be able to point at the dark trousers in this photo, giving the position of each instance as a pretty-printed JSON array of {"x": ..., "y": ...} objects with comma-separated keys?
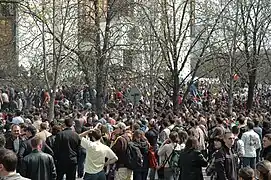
[
  {"x": 140, "y": 175},
  {"x": 68, "y": 169},
  {"x": 249, "y": 162},
  {"x": 81, "y": 161},
  {"x": 97, "y": 176}
]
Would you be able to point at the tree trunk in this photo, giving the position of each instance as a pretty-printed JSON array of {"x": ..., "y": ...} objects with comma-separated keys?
[
  {"x": 251, "y": 88},
  {"x": 51, "y": 113},
  {"x": 230, "y": 96},
  {"x": 176, "y": 89}
]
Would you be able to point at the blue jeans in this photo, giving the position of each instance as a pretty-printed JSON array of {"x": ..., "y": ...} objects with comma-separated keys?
[
  {"x": 249, "y": 162},
  {"x": 97, "y": 176}
]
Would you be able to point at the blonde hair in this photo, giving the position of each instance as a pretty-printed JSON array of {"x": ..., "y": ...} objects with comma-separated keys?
[{"x": 264, "y": 168}]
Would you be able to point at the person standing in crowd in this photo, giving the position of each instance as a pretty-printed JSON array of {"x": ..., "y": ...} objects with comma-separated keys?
[
  {"x": 66, "y": 149},
  {"x": 38, "y": 165},
  {"x": 119, "y": 147},
  {"x": 17, "y": 119},
  {"x": 141, "y": 173},
  {"x": 225, "y": 161},
  {"x": 51, "y": 139},
  {"x": 238, "y": 146},
  {"x": 44, "y": 134},
  {"x": 165, "y": 151},
  {"x": 96, "y": 155},
  {"x": 264, "y": 170},
  {"x": 8, "y": 163},
  {"x": 13, "y": 141},
  {"x": 266, "y": 146},
  {"x": 191, "y": 161},
  {"x": 251, "y": 143},
  {"x": 152, "y": 137}
]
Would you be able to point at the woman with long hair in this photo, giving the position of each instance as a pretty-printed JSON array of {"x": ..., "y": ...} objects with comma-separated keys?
[{"x": 191, "y": 161}]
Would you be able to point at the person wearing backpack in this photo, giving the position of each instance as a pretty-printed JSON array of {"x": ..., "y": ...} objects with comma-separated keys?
[
  {"x": 191, "y": 161},
  {"x": 165, "y": 152},
  {"x": 141, "y": 171},
  {"x": 120, "y": 147}
]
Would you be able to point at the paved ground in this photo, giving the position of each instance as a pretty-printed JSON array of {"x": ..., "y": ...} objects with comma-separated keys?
[{"x": 203, "y": 170}]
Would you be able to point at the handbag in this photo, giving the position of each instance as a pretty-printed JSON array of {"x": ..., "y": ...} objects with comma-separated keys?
[{"x": 160, "y": 171}]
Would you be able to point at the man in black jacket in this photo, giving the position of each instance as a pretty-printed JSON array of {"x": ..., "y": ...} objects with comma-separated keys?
[
  {"x": 26, "y": 148},
  {"x": 66, "y": 151},
  {"x": 13, "y": 140},
  {"x": 225, "y": 160},
  {"x": 38, "y": 165}
]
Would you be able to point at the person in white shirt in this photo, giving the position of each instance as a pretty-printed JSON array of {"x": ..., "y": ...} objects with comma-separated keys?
[
  {"x": 96, "y": 155},
  {"x": 252, "y": 142},
  {"x": 17, "y": 119}
]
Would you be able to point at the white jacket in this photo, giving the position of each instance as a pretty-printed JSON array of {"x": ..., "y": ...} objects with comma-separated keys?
[{"x": 252, "y": 142}]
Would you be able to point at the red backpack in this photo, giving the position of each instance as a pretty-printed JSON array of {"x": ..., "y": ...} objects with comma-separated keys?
[{"x": 152, "y": 158}]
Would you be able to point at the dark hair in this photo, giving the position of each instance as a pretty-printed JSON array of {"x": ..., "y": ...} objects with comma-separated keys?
[
  {"x": 241, "y": 120},
  {"x": 137, "y": 133},
  {"x": 250, "y": 125},
  {"x": 183, "y": 136},
  {"x": 56, "y": 129},
  {"x": 9, "y": 159},
  {"x": 35, "y": 141},
  {"x": 96, "y": 134},
  {"x": 2, "y": 141},
  {"x": 219, "y": 120},
  {"x": 174, "y": 137},
  {"x": 246, "y": 173},
  {"x": 235, "y": 130},
  {"x": 191, "y": 143},
  {"x": 256, "y": 122},
  {"x": 68, "y": 122},
  {"x": 31, "y": 129}
]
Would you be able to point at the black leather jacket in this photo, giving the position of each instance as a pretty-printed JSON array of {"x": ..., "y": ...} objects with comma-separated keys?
[
  {"x": 38, "y": 166},
  {"x": 191, "y": 162}
]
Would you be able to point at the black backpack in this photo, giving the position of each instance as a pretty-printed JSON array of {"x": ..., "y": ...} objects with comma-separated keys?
[{"x": 134, "y": 157}]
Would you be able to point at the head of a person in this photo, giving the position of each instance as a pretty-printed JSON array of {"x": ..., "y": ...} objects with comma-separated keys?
[
  {"x": 135, "y": 127},
  {"x": 218, "y": 140},
  {"x": 30, "y": 131},
  {"x": 241, "y": 120},
  {"x": 95, "y": 135},
  {"x": 56, "y": 129},
  {"x": 44, "y": 126},
  {"x": 2, "y": 141},
  {"x": 246, "y": 173},
  {"x": 219, "y": 120},
  {"x": 165, "y": 124},
  {"x": 138, "y": 135},
  {"x": 15, "y": 130},
  {"x": 68, "y": 122},
  {"x": 264, "y": 170},
  {"x": 267, "y": 140},
  {"x": 119, "y": 128},
  {"x": 183, "y": 136},
  {"x": 192, "y": 143},
  {"x": 229, "y": 139},
  {"x": 174, "y": 137},
  {"x": 235, "y": 130},
  {"x": 8, "y": 162},
  {"x": 18, "y": 113},
  {"x": 250, "y": 125},
  {"x": 36, "y": 143}
]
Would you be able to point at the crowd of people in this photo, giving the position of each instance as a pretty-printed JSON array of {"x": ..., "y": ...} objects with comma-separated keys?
[{"x": 128, "y": 142}]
